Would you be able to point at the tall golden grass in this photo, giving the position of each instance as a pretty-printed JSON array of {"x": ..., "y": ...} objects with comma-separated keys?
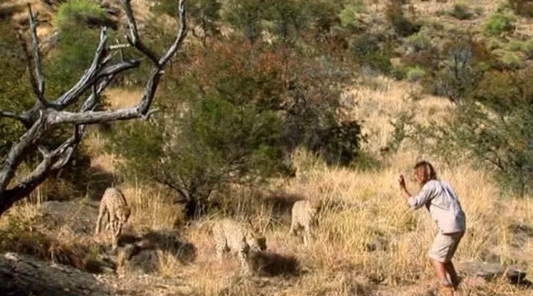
[{"x": 362, "y": 208}]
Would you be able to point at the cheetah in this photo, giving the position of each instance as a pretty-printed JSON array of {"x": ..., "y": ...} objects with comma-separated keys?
[
  {"x": 240, "y": 238},
  {"x": 114, "y": 205},
  {"x": 304, "y": 214}
]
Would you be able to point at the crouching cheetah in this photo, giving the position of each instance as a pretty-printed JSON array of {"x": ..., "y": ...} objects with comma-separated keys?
[
  {"x": 304, "y": 214},
  {"x": 114, "y": 205},
  {"x": 237, "y": 237}
]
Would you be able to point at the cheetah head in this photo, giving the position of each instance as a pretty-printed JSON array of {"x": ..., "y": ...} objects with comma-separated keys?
[
  {"x": 315, "y": 207},
  {"x": 124, "y": 214},
  {"x": 258, "y": 244}
]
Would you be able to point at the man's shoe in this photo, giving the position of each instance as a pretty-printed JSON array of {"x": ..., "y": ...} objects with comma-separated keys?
[{"x": 445, "y": 291}]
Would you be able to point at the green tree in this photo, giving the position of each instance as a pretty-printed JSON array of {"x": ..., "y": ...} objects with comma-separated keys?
[
  {"x": 212, "y": 145},
  {"x": 15, "y": 92},
  {"x": 244, "y": 16},
  {"x": 203, "y": 13},
  {"x": 493, "y": 127}
]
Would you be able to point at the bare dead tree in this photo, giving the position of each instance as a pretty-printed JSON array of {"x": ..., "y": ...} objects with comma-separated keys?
[{"x": 46, "y": 115}]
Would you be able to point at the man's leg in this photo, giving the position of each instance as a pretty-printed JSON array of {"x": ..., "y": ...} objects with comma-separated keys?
[
  {"x": 440, "y": 270},
  {"x": 450, "y": 269}
]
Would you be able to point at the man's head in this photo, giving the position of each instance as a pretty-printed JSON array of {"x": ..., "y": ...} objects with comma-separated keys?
[{"x": 424, "y": 172}]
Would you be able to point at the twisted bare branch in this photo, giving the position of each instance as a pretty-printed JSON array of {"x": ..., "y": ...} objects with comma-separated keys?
[
  {"x": 133, "y": 36},
  {"x": 87, "y": 79},
  {"x": 21, "y": 118},
  {"x": 39, "y": 78},
  {"x": 45, "y": 116}
]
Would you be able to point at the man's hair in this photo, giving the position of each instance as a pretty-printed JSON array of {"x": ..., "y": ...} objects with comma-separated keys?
[{"x": 425, "y": 170}]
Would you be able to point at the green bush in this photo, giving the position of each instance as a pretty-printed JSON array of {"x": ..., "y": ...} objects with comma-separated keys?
[
  {"x": 367, "y": 51},
  {"x": 232, "y": 114},
  {"x": 400, "y": 23},
  {"x": 203, "y": 13},
  {"x": 499, "y": 23},
  {"x": 494, "y": 43},
  {"x": 244, "y": 16},
  {"x": 15, "y": 90},
  {"x": 349, "y": 16},
  {"x": 415, "y": 74},
  {"x": 527, "y": 48},
  {"x": 461, "y": 11},
  {"x": 399, "y": 71},
  {"x": 492, "y": 127},
  {"x": 75, "y": 54},
  {"x": 515, "y": 45},
  {"x": 465, "y": 60},
  {"x": 511, "y": 60},
  {"x": 74, "y": 12},
  {"x": 418, "y": 42},
  {"x": 522, "y": 7},
  {"x": 214, "y": 144}
]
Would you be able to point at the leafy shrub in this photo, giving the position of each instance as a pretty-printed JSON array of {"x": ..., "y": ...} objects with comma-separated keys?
[
  {"x": 231, "y": 119},
  {"x": 286, "y": 19},
  {"x": 15, "y": 91},
  {"x": 461, "y": 11},
  {"x": 466, "y": 60},
  {"x": 367, "y": 51},
  {"x": 499, "y": 23},
  {"x": 522, "y": 7},
  {"x": 418, "y": 42},
  {"x": 515, "y": 45},
  {"x": 203, "y": 13},
  {"x": 494, "y": 43},
  {"x": 400, "y": 23},
  {"x": 244, "y": 16},
  {"x": 415, "y": 74},
  {"x": 216, "y": 143},
  {"x": 74, "y": 12},
  {"x": 527, "y": 48},
  {"x": 349, "y": 15},
  {"x": 399, "y": 71},
  {"x": 492, "y": 127},
  {"x": 75, "y": 54},
  {"x": 511, "y": 60},
  {"x": 324, "y": 15}
]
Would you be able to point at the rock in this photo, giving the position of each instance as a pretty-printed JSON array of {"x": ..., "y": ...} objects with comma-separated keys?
[
  {"x": 490, "y": 271},
  {"x": 23, "y": 275},
  {"x": 484, "y": 270}
]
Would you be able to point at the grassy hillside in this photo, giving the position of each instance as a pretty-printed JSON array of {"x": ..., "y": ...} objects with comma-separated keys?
[{"x": 367, "y": 242}]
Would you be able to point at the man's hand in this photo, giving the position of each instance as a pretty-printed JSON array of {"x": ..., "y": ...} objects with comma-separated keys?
[{"x": 401, "y": 181}]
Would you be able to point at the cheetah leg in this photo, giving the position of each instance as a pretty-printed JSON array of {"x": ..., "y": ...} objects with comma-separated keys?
[
  {"x": 102, "y": 211},
  {"x": 244, "y": 262},
  {"x": 117, "y": 230},
  {"x": 221, "y": 249},
  {"x": 107, "y": 219},
  {"x": 114, "y": 230},
  {"x": 307, "y": 234},
  {"x": 292, "y": 231}
]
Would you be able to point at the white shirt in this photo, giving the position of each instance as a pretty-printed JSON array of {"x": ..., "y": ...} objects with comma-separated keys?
[{"x": 443, "y": 205}]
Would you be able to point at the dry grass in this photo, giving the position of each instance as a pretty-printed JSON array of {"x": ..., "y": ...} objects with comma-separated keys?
[
  {"x": 367, "y": 243},
  {"x": 380, "y": 100},
  {"x": 121, "y": 98},
  {"x": 362, "y": 208}
]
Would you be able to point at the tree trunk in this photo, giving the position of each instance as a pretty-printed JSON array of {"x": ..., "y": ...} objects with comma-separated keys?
[{"x": 24, "y": 276}]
